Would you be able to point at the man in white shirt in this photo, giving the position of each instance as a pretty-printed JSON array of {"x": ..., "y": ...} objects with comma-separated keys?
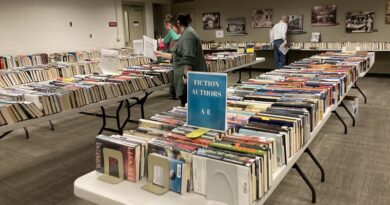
[{"x": 278, "y": 37}]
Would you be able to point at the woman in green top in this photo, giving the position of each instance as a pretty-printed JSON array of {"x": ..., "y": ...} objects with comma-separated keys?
[
  {"x": 187, "y": 54},
  {"x": 171, "y": 38}
]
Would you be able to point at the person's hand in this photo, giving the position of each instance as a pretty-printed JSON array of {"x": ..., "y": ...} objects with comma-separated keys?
[
  {"x": 187, "y": 68},
  {"x": 158, "y": 53},
  {"x": 286, "y": 46}
]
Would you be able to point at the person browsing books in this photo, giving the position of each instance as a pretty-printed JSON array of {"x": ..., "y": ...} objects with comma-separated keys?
[
  {"x": 187, "y": 54},
  {"x": 167, "y": 43},
  {"x": 278, "y": 37}
]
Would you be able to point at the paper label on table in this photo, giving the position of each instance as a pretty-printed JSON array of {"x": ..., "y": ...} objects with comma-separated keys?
[
  {"x": 197, "y": 133},
  {"x": 150, "y": 46},
  {"x": 158, "y": 176},
  {"x": 110, "y": 59},
  {"x": 138, "y": 46},
  {"x": 178, "y": 171}
]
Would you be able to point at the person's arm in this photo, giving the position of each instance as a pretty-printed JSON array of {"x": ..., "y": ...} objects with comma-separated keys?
[
  {"x": 167, "y": 38},
  {"x": 167, "y": 56},
  {"x": 284, "y": 32},
  {"x": 174, "y": 35}
]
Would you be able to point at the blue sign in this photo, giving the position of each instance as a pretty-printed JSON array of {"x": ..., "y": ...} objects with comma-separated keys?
[{"x": 207, "y": 100}]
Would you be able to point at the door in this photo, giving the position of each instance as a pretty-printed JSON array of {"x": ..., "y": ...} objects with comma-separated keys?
[{"x": 134, "y": 23}]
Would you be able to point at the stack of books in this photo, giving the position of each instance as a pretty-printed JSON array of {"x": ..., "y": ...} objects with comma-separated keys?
[
  {"x": 225, "y": 60},
  {"x": 36, "y": 86},
  {"x": 7, "y": 62},
  {"x": 163, "y": 71},
  {"x": 270, "y": 119},
  {"x": 128, "y": 61}
]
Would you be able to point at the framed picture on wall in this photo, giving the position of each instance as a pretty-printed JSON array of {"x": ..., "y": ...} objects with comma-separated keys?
[
  {"x": 295, "y": 23},
  {"x": 262, "y": 18},
  {"x": 235, "y": 26},
  {"x": 324, "y": 15},
  {"x": 359, "y": 22},
  {"x": 387, "y": 16},
  {"x": 211, "y": 21}
]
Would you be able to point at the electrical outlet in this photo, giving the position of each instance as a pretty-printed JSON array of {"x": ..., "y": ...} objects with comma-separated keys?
[{"x": 90, "y": 35}]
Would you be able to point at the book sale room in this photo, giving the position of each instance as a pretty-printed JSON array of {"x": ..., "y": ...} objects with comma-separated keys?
[{"x": 194, "y": 102}]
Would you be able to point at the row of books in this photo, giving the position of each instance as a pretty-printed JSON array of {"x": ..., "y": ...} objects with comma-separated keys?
[
  {"x": 162, "y": 70},
  {"x": 68, "y": 93},
  {"x": 23, "y": 60},
  {"x": 12, "y": 77},
  {"x": 73, "y": 57},
  {"x": 224, "y": 60},
  {"x": 364, "y": 46},
  {"x": 211, "y": 45},
  {"x": 270, "y": 118},
  {"x": 8, "y": 62},
  {"x": 128, "y": 61}
]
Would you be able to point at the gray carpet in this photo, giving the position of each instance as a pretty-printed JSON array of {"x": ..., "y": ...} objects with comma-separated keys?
[{"x": 42, "y": 170}]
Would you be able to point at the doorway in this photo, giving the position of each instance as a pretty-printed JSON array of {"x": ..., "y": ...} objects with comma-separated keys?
[{"x": 134, "y": 21}]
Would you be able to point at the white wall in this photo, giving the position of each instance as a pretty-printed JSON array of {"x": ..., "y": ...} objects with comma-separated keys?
[
  {"x": 30, "y": 26},
  {"x": 148, "y": 6}
]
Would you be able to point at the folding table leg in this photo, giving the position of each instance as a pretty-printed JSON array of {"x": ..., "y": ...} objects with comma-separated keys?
[
  {"x": 308, "y": 183},
  {"x": 307, "y": 150},
  {"x": 5, "y": 134},
  {"x": 349, "y": 113},
  {"x": 104, "y": 120},
  {"x": 51, "y": 125},
  {"x": 26, "y": 132},
  {"x": 342, "y": 121},
  {"x": 355, "y": 86},
  {"x": 140, "y": 102},
  {"x": 239, "y": 76}
]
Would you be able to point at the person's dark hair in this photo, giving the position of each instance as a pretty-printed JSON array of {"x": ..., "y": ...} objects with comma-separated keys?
[
  {"x": 184, "y": 19},
  {"x": 168, "y": 18}
]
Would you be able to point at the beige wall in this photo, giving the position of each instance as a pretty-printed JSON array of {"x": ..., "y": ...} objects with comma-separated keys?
[
  {"x": 28, "y": 26},
  {"x": 243, "y": 8}
]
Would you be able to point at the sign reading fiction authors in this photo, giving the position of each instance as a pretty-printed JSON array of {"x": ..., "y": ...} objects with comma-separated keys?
[{"x": 207, "y": 100}]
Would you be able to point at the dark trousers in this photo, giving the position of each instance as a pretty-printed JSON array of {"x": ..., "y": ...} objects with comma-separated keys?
[
  {"x": 183, "y": 97},
  {"x": 280, "y": 58}
]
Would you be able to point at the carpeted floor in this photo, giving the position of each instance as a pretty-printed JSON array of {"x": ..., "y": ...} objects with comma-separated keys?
[{"x": 42, "y": 170}]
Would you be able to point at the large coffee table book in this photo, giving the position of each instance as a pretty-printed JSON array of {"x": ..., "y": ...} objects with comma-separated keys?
[{"x": 271, "y": 119}]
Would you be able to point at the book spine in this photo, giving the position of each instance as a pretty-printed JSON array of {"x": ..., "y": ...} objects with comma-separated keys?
[
  {"x": 99, "y": 156},
  {"x": 130, "y": 164}
]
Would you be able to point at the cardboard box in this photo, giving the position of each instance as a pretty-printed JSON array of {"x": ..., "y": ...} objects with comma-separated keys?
[{"x": 352, "y": 103}]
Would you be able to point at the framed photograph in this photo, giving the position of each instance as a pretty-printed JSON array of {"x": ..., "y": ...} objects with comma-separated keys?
[
  {"x": 387, "y": 16},
  {"x": 324, "y": 15},
  {"x": 235, "y": 26},
  {"x": 295, "y": 23},
  {"x": 262, "y": 18},
  {"x": 211, "y": 21},
  {"x": 360, "y": 22}
]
